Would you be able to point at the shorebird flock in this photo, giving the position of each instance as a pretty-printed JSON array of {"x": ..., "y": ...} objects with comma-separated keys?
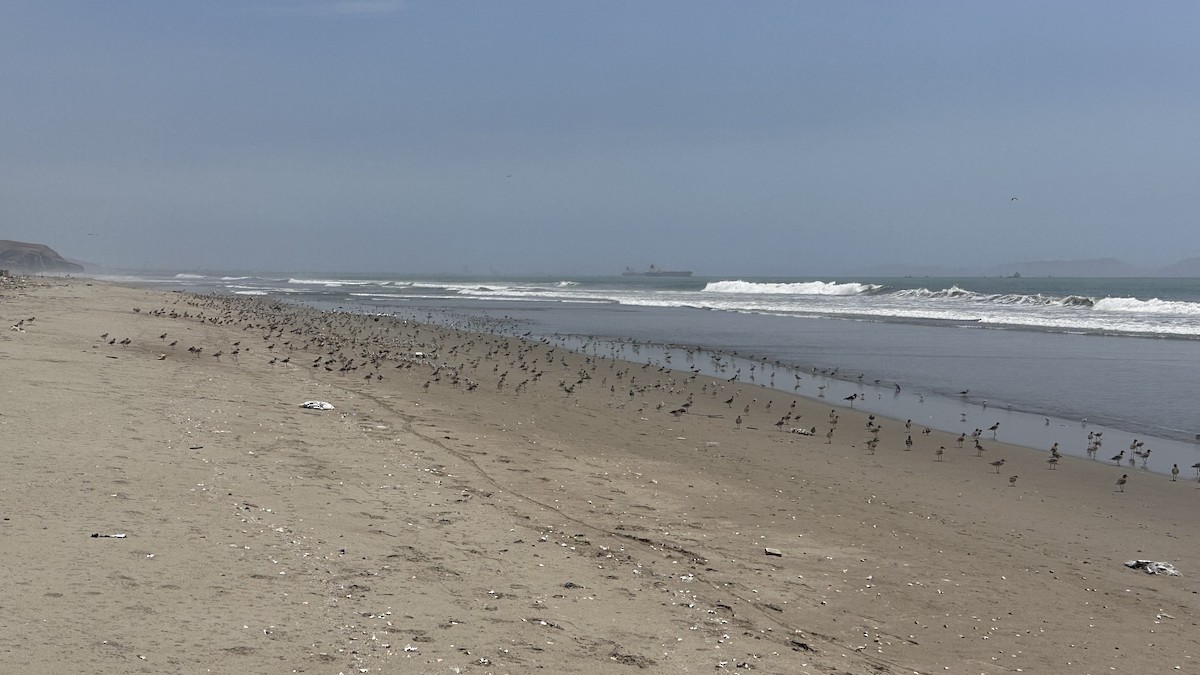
[{"x": 469, "y": 353}]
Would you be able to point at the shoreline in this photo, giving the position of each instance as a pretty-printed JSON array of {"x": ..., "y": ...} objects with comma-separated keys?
[
  {"x": 530, "y": 507},
  {"x": 953, "y": 415}
]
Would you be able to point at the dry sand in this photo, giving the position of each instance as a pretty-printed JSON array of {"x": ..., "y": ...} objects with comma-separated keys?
[{"x": 495, "y": 506}]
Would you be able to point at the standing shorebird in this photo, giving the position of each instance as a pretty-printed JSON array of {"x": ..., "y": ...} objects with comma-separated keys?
[
  {"x": 998, "y": 463},
  {"x": 1122, "y": 481},
  {"x": 908, "y": 443},
  {"x": 738, "y": 421},
  {"x": 1012, "y": 480},
  {"x": 993, "y": 429},
  {"x": 1118, "y": 457},
  {"x": 940, "y": 451},
  {"x": 1174, "y": 471},
  {"x": 1053, "y": 462}
]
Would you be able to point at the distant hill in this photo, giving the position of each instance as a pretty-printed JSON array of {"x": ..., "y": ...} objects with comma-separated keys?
[
  {"x": 25, "y": 258},
  {"x": 1183, "y": 268}
]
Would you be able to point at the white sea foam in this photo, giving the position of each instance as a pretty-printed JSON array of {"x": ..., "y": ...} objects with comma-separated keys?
[
  {"x": 1151, "y": 306},
  {"x": 335, "y": 283},
  {"x": 190, "y": 276},
  {"x": 798, "y": 288}
]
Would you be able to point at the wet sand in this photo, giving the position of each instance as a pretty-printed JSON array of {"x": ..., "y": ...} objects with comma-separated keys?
[{"x": 496, "y": 506}]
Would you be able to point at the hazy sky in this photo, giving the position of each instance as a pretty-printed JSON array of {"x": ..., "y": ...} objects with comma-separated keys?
[{"x": 747, "y": 138}]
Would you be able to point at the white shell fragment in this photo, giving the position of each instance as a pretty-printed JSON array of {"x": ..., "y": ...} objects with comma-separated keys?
[
  {"x": 317, "y": 405},
  {"x": 1152, "y": 567}
]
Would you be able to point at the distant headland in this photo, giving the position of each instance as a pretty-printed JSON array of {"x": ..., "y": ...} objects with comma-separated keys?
[{"x": 24, "y": 258}]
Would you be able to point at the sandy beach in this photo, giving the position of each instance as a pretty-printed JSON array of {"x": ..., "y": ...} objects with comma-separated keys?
[{"x": 478, "y": 504}]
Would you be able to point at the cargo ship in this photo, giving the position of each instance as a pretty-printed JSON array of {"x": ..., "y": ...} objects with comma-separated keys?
[{"x": 653, "y": 271}]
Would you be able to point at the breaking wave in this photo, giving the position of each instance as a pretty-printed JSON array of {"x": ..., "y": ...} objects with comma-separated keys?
[{"x": 797, "y": 288}]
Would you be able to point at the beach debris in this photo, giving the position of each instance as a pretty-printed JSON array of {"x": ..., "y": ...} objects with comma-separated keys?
[
  {"x": 773, "y": 551},
  {"x": 317, "y": 405},
  {"x": 1153, "y": 567},
  {"x": 101, "y": 535}
]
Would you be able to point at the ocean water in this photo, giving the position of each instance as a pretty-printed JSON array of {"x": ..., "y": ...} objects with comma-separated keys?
[{"x": 1049, "y": 359}]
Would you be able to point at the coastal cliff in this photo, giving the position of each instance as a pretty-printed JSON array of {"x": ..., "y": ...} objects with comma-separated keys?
[{"x": 25, "y": 258}]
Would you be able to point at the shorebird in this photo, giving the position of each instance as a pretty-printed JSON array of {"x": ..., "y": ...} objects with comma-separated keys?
[
  {"x": 1121, "y": 482},
  {"x": 998, "y": 463},
  {"x": 940, "y": 452},
  {"x": 1118, "y": 457},
  {"x": 1053, "y": 461},
  {"x": 1012, "y": 480},
  {"x": 908, "y": 443},
  {"x": 993, "y": 429},
  {"x": 1174, "y": 471},
  {"x": 738, "y": 421},
  {"x": 1196, "y": 466},
  {"x": 961, "y": 437}
]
